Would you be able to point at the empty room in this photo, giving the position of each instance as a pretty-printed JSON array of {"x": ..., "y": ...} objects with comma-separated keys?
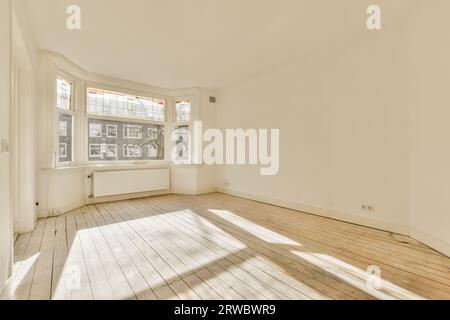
[{"x": 218, "y": 150}]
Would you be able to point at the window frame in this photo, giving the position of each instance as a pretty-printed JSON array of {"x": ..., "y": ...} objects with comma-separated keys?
[
  {"x": 189, "y": 124},
  {"x": 72, "y": 112},
  {"x": 137, "y": 122}
]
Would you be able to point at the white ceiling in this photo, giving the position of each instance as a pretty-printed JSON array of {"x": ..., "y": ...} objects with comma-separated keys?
[{"x": 206, "y": 43}]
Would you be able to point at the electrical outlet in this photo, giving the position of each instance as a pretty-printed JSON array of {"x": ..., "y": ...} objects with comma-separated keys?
[
  {"x": 4, "y": 146},
  {"x": 367, "y": 207}
]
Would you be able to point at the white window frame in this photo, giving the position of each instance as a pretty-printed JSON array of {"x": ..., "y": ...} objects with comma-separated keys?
[{"x": 57, "y": 111}]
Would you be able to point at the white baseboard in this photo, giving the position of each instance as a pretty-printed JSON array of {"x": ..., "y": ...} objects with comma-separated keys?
[
  {"x": 45, "y": 213},
  {"x": 430, "y": 241},
  {"x": 128, "y": 196},
  {"x": 363, "y": 221},
  {"x": 194, "y": 193}
]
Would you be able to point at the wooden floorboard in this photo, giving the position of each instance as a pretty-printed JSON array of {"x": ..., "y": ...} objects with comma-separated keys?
[{"x": 217, "y": 246}]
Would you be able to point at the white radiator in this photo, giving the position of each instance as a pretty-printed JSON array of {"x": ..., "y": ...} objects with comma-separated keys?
[{"x": 110, "y": 183}]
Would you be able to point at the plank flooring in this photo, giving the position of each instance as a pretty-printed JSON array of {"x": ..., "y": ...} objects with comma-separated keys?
[{"x": 217, "y": 246}]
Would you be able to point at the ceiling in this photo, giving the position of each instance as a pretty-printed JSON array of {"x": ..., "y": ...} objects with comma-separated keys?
[{"x": 204, "y": 43}]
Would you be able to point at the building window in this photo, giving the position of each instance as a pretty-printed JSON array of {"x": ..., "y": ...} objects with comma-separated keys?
[
  {"x": 62, "y": 150},
  {"x": 132, "y": 132},
  {"x": 111, "y": 151},
  {"x": 62, "y": 128},
  {"x": 114, "y": 104},
  {"x": 132, "y": 151},
  {"x": 152, "y": 133},
  {"x": 152, "y": 152},
  {"x": 111, "y": 131},
  {"x": 95, "y": 150},
  {"x": 183, "y": 110},
  {"x": 95, "y": 130},
  {"x": 63, "y": 94},
  {"x": 182, "y": 143}
]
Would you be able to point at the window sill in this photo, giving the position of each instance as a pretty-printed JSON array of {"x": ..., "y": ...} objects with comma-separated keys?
[{"x": 105, "y": 166}]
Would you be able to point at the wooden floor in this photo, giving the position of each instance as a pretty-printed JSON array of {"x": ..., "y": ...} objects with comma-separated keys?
[{"x": 217, "y": 247}]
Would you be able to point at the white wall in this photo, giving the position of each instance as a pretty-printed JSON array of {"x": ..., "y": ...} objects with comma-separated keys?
[
  {"x": 342, "y": 115},
  {"x": 6, "y": 227},
  {"x": 364, "y": 122},
  {"x": 429, "y": 93}
]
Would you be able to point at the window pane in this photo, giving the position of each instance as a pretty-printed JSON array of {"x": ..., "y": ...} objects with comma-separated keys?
[
  {"x": 63, "y": 94},
  {"x": 116, "y": 140},
  {"x": 113, "y": 104},
  {"x": 183, "y": 110},
  {"x": 182, "y": 143},
  {"x": 65, "y": 138}
]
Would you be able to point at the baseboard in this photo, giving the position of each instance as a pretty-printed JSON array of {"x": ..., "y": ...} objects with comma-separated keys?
[
  {"x": 430, "y": 241},
  {"x": 341, "y": 216},
  {"x": 54, "y": 212},
  {"x": 129, "y": 196},
  {"x": 194, "y": 193}
]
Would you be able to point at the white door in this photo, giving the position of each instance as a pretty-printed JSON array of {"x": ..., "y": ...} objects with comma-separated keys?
[{"x": 5, "y": 88}]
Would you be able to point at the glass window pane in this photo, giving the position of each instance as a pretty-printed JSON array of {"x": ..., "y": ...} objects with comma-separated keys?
[
  {"x": 117, "y": 140},
  {"x": 114, "y": 104},
  {"x": 63, "y": 94},
  {"x": 65, "y": 124},
  {"x": 182, "y": 143},
  {"x": 183, "y": 110}
]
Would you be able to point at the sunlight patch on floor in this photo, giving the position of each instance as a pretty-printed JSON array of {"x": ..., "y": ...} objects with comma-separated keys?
[
  {"x": 253, "y": 228},
  {"x": 357, "y": 277},
  {"x": 21, "y": 269},
  {"x": 166, "y": 238}
]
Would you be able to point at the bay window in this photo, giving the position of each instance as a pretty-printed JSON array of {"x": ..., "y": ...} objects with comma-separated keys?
[{"x": 123, "y": 127}]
